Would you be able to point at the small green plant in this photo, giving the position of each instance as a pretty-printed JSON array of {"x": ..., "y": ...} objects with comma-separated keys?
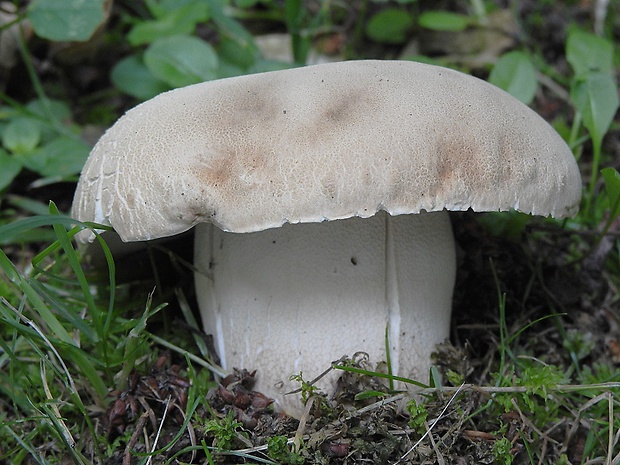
[
  {"x": 502, "y": 450},
  {"x": 611, "y": 197},
  {"x": 454, "y": 378},
  {"x": 168, "y": 54},
  {"x": 279, "y": 450},
  {"x": 538, "y": 378},
  {"x": 307, "y": 389},
  {"x": 579, "y": 345},
  {"x": 594, "y": 94},
  {"x": 539, "y": 391},
  {"x": 515, "y": 73},
  {"x": 225, "y": 431},
  {"x": 40, "y": 137},
  {"x": 390, "y": 26},
  {"x": 417, "y": 416}
]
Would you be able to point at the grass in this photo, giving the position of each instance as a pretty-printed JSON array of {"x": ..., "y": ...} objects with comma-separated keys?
[
  {"x": 99, "y": 368},
  {"x": 78, "y": 372}
]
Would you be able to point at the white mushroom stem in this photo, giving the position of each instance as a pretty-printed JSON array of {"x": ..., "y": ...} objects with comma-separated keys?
[{"x": 293, "y": 299}]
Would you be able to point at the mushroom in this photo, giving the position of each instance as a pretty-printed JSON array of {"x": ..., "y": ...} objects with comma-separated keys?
[{"x": 320, "y": 198}]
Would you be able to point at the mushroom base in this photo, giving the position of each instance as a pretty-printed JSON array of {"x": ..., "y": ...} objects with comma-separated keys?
[{"x": 296, "y": 298}]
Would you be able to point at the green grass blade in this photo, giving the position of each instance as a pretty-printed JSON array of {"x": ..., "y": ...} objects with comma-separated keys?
[
  {"x": 35, "y": 299},
  {"x": 74, "y": 261},
  {"x": 380, "y": 375}
]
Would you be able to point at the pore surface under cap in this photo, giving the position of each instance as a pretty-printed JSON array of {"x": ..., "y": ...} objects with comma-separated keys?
[{"x": 320, "y": 143}]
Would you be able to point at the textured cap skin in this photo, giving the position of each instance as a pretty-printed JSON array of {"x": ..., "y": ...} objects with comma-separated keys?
[{"x": 319, "y": 143}]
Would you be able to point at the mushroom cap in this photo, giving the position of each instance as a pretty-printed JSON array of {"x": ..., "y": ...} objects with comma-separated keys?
[{"x": 323, "y": 142}]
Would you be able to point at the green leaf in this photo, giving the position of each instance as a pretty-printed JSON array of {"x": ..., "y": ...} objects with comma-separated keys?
[
  {"x": 596, "y": 97},
  {"x": 294, "y": 15},
  {"x": 181, "y": 60},
  {"x": 64, "y": 156},
  {"x": 612, "y": 187},
  {"x": 510, "y": 224},
  {"x": 51, "y": 115},
  {"x": 166, "y": 7},
  {"x": 234, "y": 53},
  {"x": 227, "y": 26},
  {"x": 48, "y": 108},
  {"x": 443, "y": 21},
  {"x": 390, "y": 26},
  {"x": 32, "y": 206},
  {"x": 149, "y": 31},
  {"x": 21, "y": 135},
  {"x": 588, "y": 52},
  {"x": 9, "y": 169},
  {"x": 181, "y": 20},
  {"x": 263, "y": 66},
  {"x": 13, "y": 231},
  {"x": 34, "y": 161},
  {"x": 515, "y": 73},
  {"x": 63, "y": 20},
  {"x": 132, "y": 77},
  {"x": 86, "y": 365}
]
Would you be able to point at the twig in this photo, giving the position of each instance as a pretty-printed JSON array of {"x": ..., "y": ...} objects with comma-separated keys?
[
  {"x": 315, "y": 380},
  {"x": 438, "y": 455},
  {"x": 134, "y": 438},
  {"x": 575, "y": 426},
  {"x": 600, "y": 12},
  {"x": 510, "y": 389},
  {"x": 302, "y": 424},
  {"x": 529, "y": 423}
]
